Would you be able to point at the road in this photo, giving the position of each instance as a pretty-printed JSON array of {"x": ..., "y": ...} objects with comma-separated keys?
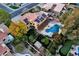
[
  {"x": 20, "y": 10},
  {"x": 2, "y": 6}
]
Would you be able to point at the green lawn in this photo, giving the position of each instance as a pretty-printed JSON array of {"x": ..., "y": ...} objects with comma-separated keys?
[{"x": 65, "y": 49}]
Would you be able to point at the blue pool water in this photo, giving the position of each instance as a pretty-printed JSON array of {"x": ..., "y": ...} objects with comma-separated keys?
[{"x": 53, "y": 29}]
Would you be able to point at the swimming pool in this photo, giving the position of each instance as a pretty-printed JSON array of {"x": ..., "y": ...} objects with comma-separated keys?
[{"x": 53, "y": 29}]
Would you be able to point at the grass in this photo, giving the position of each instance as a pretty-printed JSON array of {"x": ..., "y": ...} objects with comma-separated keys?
[{"x": 65, "y": 49}]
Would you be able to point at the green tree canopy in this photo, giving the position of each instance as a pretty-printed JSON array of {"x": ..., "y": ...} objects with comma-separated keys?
[{"x": 4, "y": 17}]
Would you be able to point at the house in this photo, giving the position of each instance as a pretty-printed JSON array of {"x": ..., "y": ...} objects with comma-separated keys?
[
  {"x": 49, "y": 6},
  {"x": 34, "y": 18},
  {"x": 59, "y": 7},
  {"x": 4, "y": 50},
  {"x": 3, "y": 32}
]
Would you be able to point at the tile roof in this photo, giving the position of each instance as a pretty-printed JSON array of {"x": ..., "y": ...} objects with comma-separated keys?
[
  {"x": 32, "y": 16},
  {"x": 5, "y": 31},
  {"x": 3, "y": 49},
  {"x": 29, "y": 16}
]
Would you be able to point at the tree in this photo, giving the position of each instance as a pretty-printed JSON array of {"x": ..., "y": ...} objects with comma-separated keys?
[
  {"x": 45, "y": 40},
  {"x": 25, "y": 38},
  {"x": 58, "y": 38},
  {"x": 4, "y": 17},
  {"x": 17, "y": 40},
  {"x": 52, "y": 47},
  {"x": 32, "y": 38}
]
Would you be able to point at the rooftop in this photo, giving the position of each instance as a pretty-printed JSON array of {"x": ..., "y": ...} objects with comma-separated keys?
[
  {"x": 32, "y": 16},
  {"x": 3, "y": 31},
  {"x": 59, "y": 7},
  {"x": 48, "y": 6},
  {"x": 3, "y": 49}
]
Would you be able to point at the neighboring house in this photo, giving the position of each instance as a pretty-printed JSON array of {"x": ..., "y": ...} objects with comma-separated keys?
[
  {"x": 9, "y": 39},
  {"x": 56, "y": 7},
  {"x": 3, "y": 31},
  {"x": 4, "y": 50},
  {"x": 48, "y": 6},
  {"x": 59, "y": 7}
]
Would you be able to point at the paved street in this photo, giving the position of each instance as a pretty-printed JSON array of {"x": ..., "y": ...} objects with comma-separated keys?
[
  {"x": 20, "y": 10},
  {"x": 5, "y": 8}
]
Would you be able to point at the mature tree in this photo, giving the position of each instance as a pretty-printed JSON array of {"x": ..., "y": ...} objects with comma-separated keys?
[
  {"x": 4, "y": 17},
  {"x": 58, "y": 38}
]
